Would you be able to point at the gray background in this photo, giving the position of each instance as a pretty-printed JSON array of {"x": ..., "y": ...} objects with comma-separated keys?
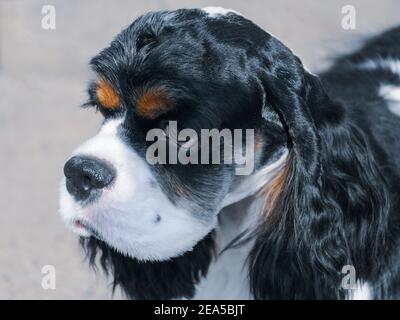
[{"x": 42, "y": 82}]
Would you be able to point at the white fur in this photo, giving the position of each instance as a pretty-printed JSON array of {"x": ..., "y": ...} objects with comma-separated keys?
[
  {"x": 389, "y": 92},
  {"x": 125, "y": 214},
  {"x": 392, "y": 95},
  {"x": 251, "y": 184},
  {"x": 362, "y": 292},
  {"x": 227, "y": 277},
  {"x": 389, "y": 64},
  {"x": 218, "y": 11}
]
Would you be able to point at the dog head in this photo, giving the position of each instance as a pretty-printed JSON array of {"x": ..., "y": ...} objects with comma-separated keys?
[{"x": 199, "y": 69}]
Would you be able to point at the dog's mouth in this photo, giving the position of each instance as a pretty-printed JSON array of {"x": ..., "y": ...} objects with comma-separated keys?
[{"x": 85, "y": 229}]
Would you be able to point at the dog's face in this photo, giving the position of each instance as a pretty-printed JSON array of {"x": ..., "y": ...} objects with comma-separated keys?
[{"x": 194, "y": 67}]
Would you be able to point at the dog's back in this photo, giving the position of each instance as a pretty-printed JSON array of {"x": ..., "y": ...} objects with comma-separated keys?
[{"x": 368, "y": 82}]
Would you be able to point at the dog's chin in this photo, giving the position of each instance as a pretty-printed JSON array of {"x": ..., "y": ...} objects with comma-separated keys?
[
  {"x": 138, "y": 279},
  {"x": 85, "y": 230},
  {"x": 149, "y": 251},
  {"x": 129, "y": 240}
]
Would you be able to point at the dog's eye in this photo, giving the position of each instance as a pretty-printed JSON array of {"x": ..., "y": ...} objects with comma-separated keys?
[{"x": 171, "y": 132}]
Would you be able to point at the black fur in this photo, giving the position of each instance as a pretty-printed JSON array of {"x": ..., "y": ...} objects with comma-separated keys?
[
  {"x": 340, "y": 202},
  {"x": 172, "y": 279}
]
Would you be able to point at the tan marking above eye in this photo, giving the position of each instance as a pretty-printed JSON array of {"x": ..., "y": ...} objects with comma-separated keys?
[
  {"x": 107, "y": 95},
  {"x": 153, "y": 102}
]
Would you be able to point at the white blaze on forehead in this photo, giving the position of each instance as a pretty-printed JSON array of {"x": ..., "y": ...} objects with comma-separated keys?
[
  {"x": 106, "y": 145},
  {"x": 217, "y": 11}
]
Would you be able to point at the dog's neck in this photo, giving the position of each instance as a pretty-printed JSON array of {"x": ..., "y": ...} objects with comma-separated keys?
[
  {"x": 227, "y": 277},
  {"x": 238, "y": 218},
  {"x": 241, "y": 207}
]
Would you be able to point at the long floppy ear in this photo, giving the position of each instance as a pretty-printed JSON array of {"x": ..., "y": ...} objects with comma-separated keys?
[{"x": 322, "y": 205}]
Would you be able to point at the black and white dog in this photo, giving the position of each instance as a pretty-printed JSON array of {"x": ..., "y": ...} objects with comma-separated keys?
[{"x": 324, "y": 195}]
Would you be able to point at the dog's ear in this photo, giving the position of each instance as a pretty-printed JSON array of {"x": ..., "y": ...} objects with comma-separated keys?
[{"x": 329, "y": 194}]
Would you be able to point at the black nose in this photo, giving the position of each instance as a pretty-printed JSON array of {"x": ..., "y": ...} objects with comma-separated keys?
[{"x": 86, "y": 174}]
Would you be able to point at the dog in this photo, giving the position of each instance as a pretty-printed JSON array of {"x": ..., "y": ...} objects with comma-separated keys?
[{"x": 318, "y": 218}]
